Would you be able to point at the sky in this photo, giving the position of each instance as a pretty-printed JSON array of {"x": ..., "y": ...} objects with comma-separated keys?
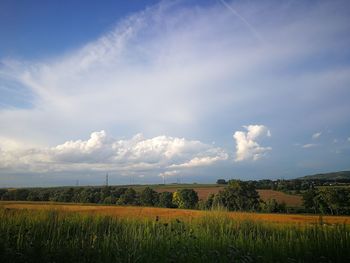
[{"x": 181, "y": 91}]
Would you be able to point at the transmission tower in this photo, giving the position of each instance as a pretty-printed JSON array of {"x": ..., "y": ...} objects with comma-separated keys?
[{"x": 106, "y": 179}]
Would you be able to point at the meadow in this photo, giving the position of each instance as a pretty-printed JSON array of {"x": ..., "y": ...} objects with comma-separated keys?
[{"x": 77, "y": 233}]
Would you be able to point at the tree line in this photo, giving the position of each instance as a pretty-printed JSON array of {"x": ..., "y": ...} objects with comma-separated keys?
[
  {"x": 328, "y": 200},
  {"x": 236, "y": 196},
  {"x": 295, "y": 186}
]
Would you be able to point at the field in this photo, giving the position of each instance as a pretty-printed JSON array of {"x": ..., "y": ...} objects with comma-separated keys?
[
  {"x": 85, "y": 233},
  {"x": 169, "y": 214}
]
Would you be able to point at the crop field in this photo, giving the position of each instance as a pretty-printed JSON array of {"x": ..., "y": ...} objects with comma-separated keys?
[
  {"x": 76, "y": 233},
  {"x": 166, "y": 214}
]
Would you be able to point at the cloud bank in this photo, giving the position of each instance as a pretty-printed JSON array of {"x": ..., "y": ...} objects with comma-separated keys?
[{"x": 104, "y": 153}]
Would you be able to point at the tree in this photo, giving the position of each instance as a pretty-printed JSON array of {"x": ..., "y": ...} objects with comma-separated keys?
[
  {"x": 117, "y": 193},
  {"x": 109, "y": 200},
  {"x": 2, "y": 192},
  {"x": 21, "y": 194},
  {"x": 272, "y": 206},
  {"x": 309, "y": 199},
  {"x": 128, "y": 198},
  {"x": 149, "y": 197},
  {"x": 209, "y": 203},
  {"x": 238, "y": 195},
  {"x": 66, "y": 195},
  {"x": 166, "y": 200},
  {"x": 221, "y": 181},
  {"x": 185, "y": 198}
]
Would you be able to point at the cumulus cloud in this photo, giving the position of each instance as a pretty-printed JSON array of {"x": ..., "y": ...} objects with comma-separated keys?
[
  {"x": 247, "y": 147},
  {"x": 102, "y": 152},
  {"x": 202, "y": 161},
  {"x": 316, "y": 135}
]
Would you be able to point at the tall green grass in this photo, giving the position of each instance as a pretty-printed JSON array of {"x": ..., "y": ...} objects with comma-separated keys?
[{"x": 51, "y": 236}]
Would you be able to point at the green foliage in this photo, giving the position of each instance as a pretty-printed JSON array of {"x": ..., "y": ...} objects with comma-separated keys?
[
  {"x": 332, "y": 200},
  {"x": 149, "y": 197},
  {"x": 166, "y": 200},
  {"x": 272, "y": 206},
  {"x": 221, "y": 181},
  {"x": 128, "y": 198},
  {"x": 238, "y": 196},
  {"x": 185, "y": 198},
  {"x": 49, "y": 236}
]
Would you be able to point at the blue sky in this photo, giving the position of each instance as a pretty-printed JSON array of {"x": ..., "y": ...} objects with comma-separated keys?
[{"x": 190, "y": 90}]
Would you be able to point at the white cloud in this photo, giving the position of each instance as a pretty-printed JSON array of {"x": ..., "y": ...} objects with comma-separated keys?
[
  {"x": 247, "y": 148},
  {"x": 316, "y": 135},
  {"x": 309, "y": 145},
  {"x": 169, "y": 173},
  {"x": 169, "y": 57},
  {"x": 183, "y": 71},
  {"x": 102, "y": 152},
  {"x": 202, "y": 161}
]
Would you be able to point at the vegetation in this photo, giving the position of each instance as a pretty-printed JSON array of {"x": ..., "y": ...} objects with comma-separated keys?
[
  {"x": 333, "y": 201},
  {"x": 185, "y": 198},
  {"x": 238, "y": 196},
  {"x": 234, "y": 195},
  {"x": 334, "y": 176},
  {"x": 51, "y": 236}
]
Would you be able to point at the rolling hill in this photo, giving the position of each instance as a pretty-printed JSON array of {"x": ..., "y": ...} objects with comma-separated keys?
[{"x": 342, "y": 175}]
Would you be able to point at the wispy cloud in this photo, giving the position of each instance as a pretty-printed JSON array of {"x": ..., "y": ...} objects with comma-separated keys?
[
  {"x": 309, "y": 145},
  {"x": 316, "y": 135},
  {"x": 183, "y": 71},
  {"x": 247, "y": 24}
]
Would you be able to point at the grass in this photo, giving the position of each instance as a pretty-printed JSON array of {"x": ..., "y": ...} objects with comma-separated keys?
[{"x": 59, "y": 236}]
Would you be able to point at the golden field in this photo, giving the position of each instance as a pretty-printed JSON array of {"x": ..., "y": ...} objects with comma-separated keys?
[{"x": 168, "y": 214}]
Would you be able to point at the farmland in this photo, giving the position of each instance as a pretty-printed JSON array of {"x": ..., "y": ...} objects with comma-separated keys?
[
  {"x": 43, "y": 232},
  {"x": 168, "y": 223},
  {"x": 166, "y": 214}
]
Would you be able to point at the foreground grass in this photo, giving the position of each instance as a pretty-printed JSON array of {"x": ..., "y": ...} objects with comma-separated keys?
[{"x": 58, "y": 236}]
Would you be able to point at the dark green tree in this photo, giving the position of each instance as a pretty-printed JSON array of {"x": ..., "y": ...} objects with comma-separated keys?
[
  {"x": 166, "y": 200},
  {"x": 221, "y": 181},
  {"x": 149, "y": 197},
  {"x": 185, "y": 198},
  {"x": 309, "y": 201},
  {"x": 239, "y": 196},
  {"x": 128, "y": 198}
]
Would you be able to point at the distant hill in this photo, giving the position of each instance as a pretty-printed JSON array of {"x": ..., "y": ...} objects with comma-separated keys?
[{"x": 343, "y": 175}]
